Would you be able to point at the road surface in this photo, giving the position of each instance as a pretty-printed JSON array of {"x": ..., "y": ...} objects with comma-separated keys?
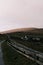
[{"x": 1, "y": 55}]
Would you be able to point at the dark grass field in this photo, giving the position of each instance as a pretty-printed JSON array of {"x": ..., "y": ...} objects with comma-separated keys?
[
  {"x": 31, "y": 44},
  {"x": 34, "y": 45},
  {"x": 11, "y": 57}
]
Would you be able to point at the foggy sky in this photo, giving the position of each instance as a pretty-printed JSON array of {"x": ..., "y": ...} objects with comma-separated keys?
[{"x": 21, "y": 13}]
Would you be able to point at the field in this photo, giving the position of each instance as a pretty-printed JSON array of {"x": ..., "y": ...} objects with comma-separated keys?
[
  {"x": 34, "y": 44},
  {"x": 11, "y": 57}
]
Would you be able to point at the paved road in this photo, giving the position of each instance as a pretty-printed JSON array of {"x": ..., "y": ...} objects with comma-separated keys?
[{"x": 1, "y": 55}]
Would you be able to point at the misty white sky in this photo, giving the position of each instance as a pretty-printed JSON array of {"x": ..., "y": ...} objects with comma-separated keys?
[{"x": 21, "y": 13}]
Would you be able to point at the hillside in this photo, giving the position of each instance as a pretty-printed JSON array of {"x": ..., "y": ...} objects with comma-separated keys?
[{"x": 32, "y": 30}]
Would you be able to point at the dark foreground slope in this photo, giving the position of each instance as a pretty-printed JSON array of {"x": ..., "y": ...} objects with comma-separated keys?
[{"x": 11, "y": 57}]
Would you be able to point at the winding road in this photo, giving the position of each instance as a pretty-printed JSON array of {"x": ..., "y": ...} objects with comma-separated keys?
[{"x": 1, "y": 54}]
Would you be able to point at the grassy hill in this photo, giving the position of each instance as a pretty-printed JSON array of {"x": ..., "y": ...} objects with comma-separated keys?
[{"x": 32, "y": 30}]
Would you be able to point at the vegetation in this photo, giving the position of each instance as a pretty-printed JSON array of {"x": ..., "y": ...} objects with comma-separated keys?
[
  {"x": 11, "y": 57},
  {"x": 29, "y": 43},
  {"x": 34, "y": 45}
]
